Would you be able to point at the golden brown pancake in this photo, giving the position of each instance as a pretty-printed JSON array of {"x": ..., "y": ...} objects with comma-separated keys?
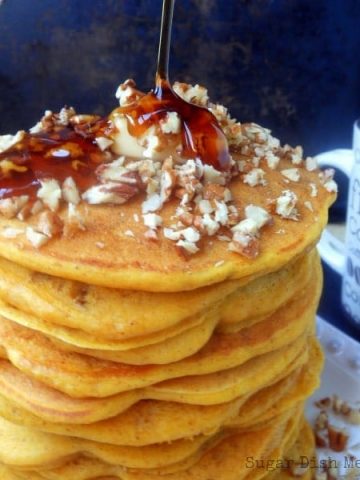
[
  {"x": 43, "y": 450},
  {"x": 150, "y": 422},
  {"x": 266, "y": 294},
  {"x": 7, "y": 474},
  {"x": 25, "y": 448},
  {"x": 183, "y": 340},
  {"x": 192, "y": 335},
  {"x": 263, "y": 406},
  {"x": 53, "y": 406},
  {"x": 146, "y": 423},
  {"x": 120, "y": 315},
  {"x": 222, "y": 461},
  {"x": 303, "y": 447},
  {"x": 82, "y": 376},
  {"x": 104, "y": 312},
  {"x": 172, "y": 349},
  {"x": 139, "y": 264},
  {"x": 85, "y": 469}
]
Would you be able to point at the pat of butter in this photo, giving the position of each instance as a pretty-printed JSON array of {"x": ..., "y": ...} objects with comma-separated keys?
[{"x": 146, "y": 146}]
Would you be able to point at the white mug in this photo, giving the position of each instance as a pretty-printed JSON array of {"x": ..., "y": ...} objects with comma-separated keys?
[{"x": 345, "y": 257}]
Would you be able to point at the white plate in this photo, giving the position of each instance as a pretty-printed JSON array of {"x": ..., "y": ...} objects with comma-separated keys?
[{"x": 340, "y": 377}]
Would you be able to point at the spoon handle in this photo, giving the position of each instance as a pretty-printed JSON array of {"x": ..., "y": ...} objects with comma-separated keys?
[{"x": 162, "y": 72}]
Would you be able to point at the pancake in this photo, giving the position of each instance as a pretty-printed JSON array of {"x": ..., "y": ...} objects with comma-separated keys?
[
  {"x": 53, "y": 406},
  {"x": 303, "y": 447},
  {"x": 146, "y": 423},
  {"x": 222, "y": 462},
  {"x": 155, "y": 422},
  {"x": 167, "y": 351},
  {"x": 104, "y": 312},
  {"x": 263, "y": 406},
  {"x": 81, "y": 376},
  {"x": 26, "y": 448},
  {"x": 140, "y": 264},
  {"x": 283, "y": 475},
  {"x": 297, "y": 442},
  {"x": 196, "y": 332},
  {"x": 266, "y": 294},
  {"x": 7, "y": 474},
  {"x": 181, "y": 345},
  {"x": 263, "y": 465},
  {"x": 221, "y": 386},
  {"x": 119, "y": 315}
]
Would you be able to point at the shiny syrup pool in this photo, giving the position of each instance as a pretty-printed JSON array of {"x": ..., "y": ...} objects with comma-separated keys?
[{"x": 58, "y": 154}]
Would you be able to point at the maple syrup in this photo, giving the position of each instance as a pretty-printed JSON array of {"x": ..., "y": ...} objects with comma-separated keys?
[
  {"x": 201, "y": 135},
  {"x": 59, "y": 154}
]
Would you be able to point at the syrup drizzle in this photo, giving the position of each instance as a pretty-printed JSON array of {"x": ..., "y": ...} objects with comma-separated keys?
[
  {"x": 43, "y": 155},
  {"x": 202, "y": 136},
  {"x": 57, "y": 154}
]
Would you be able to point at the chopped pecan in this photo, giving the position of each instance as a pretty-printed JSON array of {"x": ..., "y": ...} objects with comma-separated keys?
[
  {"x": 74, "y": 222},
  {"x": 321, "y": 421},
  {"x": 180, "y": 192},
  {"x": 340, "y": 406},
  {"x": 323, "y": 403},
  {"x": 37, "y": 207},
  {"x": 331, "y": 471},
  {"x": 151, "y": 235},
  {"x": 320, "y": 440},
  {"x": 186, "y": 218},
  {"x": 70, "y": 191},
  {"x": 127, "y": 93},
  {"x": 24, "y": 213},
  {"x": 198, "y": 223},
  {"x": 353, "y": 416},
  {"x": 338, "y": 438},
  {"x": 167, "y": 183},
  {"x": 214, "y": 191},
  {"x": 233, "y": 217},
  {"x": 37, "y": 239},
  {"x": 10, "y": 207},
  {"x": 84, "y": 119},
  {"x": 247, "y": 246},
  {"x": 117, "y": 193},
  {"x": 89, "y": 129},
  {"x": 49, "y": 224}
]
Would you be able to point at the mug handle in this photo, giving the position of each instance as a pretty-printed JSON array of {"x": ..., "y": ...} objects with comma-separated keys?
[{"x": 331, "y": 249}]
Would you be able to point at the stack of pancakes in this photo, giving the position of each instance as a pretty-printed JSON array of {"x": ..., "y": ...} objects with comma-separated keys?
[{"x": 121, "y": 359}]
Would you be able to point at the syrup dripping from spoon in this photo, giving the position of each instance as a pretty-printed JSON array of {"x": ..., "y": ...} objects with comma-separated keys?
[{"x": 202, "y": 136}]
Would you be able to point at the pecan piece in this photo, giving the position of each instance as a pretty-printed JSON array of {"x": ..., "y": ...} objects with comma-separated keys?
[
  {"x": 337, "y": 438},
  {"x": 49, "y": 224}
]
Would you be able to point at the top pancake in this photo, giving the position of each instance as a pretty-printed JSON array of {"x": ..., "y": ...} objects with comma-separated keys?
[{"x": 140, "y": 264}]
